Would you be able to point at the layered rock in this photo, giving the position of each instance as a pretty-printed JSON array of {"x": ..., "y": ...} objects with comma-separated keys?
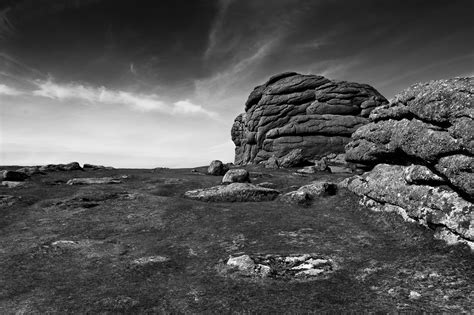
[
  {"x": 421, "y": 145},
  {"x": 428, "y": 124},
  {"x": 307, "y": 112}
]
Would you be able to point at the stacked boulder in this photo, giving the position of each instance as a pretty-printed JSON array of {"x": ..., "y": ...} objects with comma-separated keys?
[
  {"x": 306, "y": 116},
  {"x": 422, "y": 147}
]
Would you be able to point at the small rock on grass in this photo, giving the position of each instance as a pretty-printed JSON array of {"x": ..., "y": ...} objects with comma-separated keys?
[
  {"x": 234, "y": 192},
  {"x": 12, "y": 184},
  {"x": 308, "y": 192}
]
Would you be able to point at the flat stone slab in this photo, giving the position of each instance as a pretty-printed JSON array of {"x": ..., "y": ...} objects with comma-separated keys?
[
  {"x": 93, "y": 181},
  {"x": 235, "y": 192}
]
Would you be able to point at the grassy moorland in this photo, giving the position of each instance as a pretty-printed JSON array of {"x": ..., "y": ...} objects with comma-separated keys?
[{"x": 77, "y": 249}]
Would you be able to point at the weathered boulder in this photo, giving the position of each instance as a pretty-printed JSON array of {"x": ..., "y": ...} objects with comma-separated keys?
[
  {"x": 14, "y": 176},
  {"x": 236, "y": 176},
  {"x": 306, "y": 112},
  {"x": 429, "y": 124},
  {"x": 386, "y": 188},
  {"x": 305, "y": 194},
  {"x": 93, "y": 181},
  {"x": 234, "y": 192},
  {"x": 217, "y": 168}
]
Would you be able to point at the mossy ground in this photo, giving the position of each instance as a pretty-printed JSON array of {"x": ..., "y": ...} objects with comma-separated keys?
[{"x": 380, "y": 258}]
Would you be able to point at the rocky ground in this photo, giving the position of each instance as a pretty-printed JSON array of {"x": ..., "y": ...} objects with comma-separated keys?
[{"x": 131, "y": 242}]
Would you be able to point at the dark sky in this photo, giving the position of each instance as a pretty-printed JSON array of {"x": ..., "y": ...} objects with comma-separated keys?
[{"x": 164, "y": 79}]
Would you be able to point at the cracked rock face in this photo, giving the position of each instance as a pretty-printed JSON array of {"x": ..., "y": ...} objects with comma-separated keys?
[
  {"x": 308, "y": 112},
  {"x": 388, "y": 188},
  {"x": 430, "y": 124}
]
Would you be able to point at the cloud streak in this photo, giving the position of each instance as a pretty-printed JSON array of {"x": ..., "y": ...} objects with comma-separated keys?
[
  {"x": 9, "y": 91},
  {"x": 103, "y": 96}
]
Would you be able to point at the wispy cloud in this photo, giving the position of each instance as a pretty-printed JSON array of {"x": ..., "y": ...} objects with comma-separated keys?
[
  {"x": 216, "y": 26},
  {"x": 103, "y": 96},
  {"x": 6, "y": 90}
]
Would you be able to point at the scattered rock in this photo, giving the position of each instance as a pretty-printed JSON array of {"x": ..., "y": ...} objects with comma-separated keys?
[
  {"x": 217, "y": 168},
  {"x": 236, "y": 176},
  {"x": 307, "y": 193},
  {"x": 7, "y": 200},
  {"x": 93, "y": 181},
  {"x": 150, "y": 260},
  {"x": 14, "y": 176},
  {"x": 234, "y": 192},
  {"x": 307, "y": 170},
  {"x": 12, "y": 184},
  {"x": 73, "y": 166},
  {"x": 298, "y": 267},
  {"x": 307, "y": 112}
]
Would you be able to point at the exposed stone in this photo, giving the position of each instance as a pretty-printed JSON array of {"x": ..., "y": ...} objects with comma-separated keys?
[
  {"x": 30, "y": 170},
  {"x": 7, "y": 200},
  {"x": 272, "y": 162},
  {"x": 429, "y": 123},
  {"x": 432, "y": 206},
  {"x": 307, "y": 112},
  {"x": 14, "y": 176},
  {"x": 421, "y": 175},
  {"x": 73, "y": 166},
  {"x": 234, "y": 192},
  {"x": 93, "y": 181},
  {"x": 236, "y": 176},
  {"x": 293, "y": 159},
  {"x": 217, "y": 168},
  {"x": 12, "y": 184},
  {"x": 267, "y": 185},
  {"x": 339, "y": 169},
  {"x": 307, "y": 193},
  {"x": 150, "y": 260}
]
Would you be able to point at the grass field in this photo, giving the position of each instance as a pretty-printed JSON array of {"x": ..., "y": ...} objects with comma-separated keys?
[{"x": 87, "y": 249}]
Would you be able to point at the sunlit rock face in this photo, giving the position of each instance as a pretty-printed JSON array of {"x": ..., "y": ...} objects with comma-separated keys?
[{"x": 294, "y": 111}]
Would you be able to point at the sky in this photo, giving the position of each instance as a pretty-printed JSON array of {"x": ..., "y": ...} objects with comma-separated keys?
[{"x": 145, "y": 84}]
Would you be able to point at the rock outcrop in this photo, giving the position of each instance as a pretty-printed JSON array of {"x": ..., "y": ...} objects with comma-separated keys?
[
  {"x": 429, "y": 124},
  {"x": 13, "y": 176},
  {"x": 307, "y": 112},
  {"x": 422, "y": 147}
]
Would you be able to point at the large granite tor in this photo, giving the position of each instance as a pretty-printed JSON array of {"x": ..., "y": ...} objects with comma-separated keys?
[{"x": 294, "y": 111}]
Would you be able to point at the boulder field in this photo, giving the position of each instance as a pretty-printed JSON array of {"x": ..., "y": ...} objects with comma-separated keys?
[
  {"x": 422, "y": 147},
  {"x": 293, "y": 111}
]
